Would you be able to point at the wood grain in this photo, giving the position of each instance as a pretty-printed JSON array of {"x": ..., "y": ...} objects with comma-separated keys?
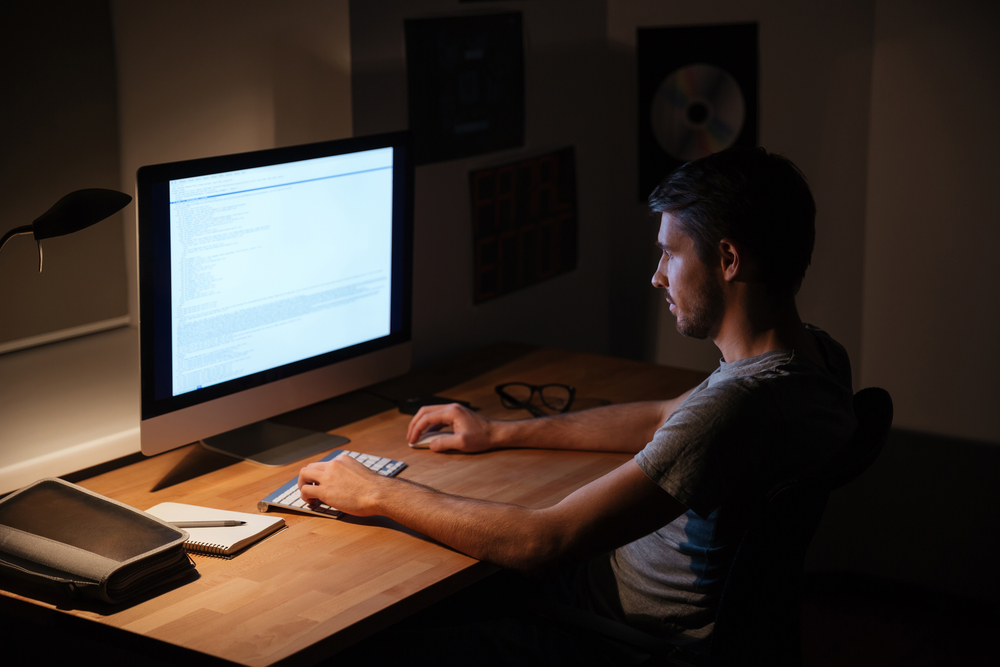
[{"x": 321, "y": 584}]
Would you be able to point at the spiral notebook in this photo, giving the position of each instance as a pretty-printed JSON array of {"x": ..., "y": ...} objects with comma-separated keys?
[{"x": 223, "y": 541}]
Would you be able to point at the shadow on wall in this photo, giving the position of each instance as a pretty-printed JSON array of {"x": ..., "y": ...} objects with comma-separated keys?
[{"x": 927, "y": 512}]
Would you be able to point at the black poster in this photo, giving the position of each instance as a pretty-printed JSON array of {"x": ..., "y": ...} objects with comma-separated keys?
[
  {"x": 697, "y": 95},
  {"x": 465, "y": 84}
]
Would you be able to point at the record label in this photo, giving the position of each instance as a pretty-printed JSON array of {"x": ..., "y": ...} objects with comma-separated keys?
[{"x": 697, "y": 110}]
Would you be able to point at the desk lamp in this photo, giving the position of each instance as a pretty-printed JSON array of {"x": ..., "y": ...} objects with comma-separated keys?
[{"x": 77, "y": 210}]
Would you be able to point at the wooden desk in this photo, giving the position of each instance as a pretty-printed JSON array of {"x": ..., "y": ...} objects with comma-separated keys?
[{"x": 322, "y": 584}]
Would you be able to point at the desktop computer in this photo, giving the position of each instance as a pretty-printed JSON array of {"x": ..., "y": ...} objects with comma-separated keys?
[{"x": 269, "y": 281}]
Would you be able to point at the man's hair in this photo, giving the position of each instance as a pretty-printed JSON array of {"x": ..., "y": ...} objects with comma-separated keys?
[{"x": 754, "y": 197}]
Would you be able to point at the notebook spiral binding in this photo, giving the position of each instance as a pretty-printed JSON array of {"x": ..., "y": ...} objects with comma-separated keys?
[{"x": 205, "y": 548}]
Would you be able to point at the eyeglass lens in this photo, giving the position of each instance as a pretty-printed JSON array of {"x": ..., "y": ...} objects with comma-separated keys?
[{"x": 553, "y": 396}]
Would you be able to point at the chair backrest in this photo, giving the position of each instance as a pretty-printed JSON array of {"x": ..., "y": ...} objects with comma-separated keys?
[
  {"x": 758, "y": 618},
  {"x": 873, "y": 410}
]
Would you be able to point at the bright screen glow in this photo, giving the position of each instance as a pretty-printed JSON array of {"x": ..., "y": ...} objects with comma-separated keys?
[{"x": 276, "y": 264}]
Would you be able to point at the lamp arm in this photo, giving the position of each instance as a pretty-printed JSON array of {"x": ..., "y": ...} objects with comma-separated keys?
[{"x": 17, "y": 231}]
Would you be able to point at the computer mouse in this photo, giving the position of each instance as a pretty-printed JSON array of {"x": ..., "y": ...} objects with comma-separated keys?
[{"x": 429, "y": 436}]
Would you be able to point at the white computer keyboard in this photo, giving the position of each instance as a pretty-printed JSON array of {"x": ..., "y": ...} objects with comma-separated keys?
[{"x": 287, "y": 497}]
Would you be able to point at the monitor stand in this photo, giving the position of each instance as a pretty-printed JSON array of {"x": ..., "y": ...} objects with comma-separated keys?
[{"x": 270, "y": 444}]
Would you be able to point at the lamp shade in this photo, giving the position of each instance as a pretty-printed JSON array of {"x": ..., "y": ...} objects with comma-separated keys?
[{"x": 79, "y": 210}]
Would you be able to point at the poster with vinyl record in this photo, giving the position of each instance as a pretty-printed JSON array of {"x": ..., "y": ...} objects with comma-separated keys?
[{"x": 697, "y": 95}]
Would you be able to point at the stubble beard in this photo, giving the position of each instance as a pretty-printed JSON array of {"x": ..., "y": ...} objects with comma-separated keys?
[{"x": 706, "y": 312}]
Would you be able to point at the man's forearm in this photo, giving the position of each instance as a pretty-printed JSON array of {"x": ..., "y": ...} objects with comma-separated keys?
[
  {"x": 600, "y": 516},
  {"x": 610, "y": 511},
  {"x": 627, "y": 427},
  {"x": 507, "y": 535},
  {"x": 497, "y": 532}
]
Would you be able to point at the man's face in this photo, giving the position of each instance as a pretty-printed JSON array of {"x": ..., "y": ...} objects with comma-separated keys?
[{"x": 692, "y": 290}]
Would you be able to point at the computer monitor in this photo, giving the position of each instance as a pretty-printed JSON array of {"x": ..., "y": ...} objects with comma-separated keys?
[{"x": 269, "y": 281}]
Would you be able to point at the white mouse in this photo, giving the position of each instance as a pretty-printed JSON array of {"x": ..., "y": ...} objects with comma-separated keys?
[{"x": 428, "y": 436}]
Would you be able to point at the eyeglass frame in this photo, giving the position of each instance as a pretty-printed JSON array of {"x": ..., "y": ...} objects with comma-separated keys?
[{"x": 512, "y": 403}]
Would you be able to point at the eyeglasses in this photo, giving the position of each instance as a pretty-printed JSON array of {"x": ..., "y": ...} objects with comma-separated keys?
[{"x": 518, "y": 396}]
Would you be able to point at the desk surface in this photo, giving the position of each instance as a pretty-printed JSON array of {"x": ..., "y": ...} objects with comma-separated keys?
[{"x": 322, "y": 584}]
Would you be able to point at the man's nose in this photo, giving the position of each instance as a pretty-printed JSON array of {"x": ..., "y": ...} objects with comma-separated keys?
[{"x": 659, "y": 278}]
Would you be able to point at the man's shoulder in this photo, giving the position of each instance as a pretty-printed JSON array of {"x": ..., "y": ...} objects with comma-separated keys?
[
  {"x": 775, "y": 391},
  {"x": 786, "y": 367},
  {"x": 838, "y": 363},
  {"x": 752, "y": 424}
]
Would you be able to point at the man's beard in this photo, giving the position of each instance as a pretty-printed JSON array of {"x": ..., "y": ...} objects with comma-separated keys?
[{"x": 708, "y": 307}]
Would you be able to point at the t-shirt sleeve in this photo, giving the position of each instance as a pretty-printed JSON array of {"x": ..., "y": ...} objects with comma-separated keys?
[{"x": 711, "y": 445}]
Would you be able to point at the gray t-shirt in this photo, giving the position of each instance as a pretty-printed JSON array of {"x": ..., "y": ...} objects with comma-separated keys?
[{"x": 751, "y": 424}]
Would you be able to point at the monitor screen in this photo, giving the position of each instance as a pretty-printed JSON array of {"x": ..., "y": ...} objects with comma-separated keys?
[{"x": 270, "y": 280}]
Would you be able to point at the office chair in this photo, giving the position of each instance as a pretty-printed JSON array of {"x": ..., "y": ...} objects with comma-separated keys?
[{"x": 758, "y": 619}]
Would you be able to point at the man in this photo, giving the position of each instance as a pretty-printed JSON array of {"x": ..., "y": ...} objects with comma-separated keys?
[{"x": 651, "y": 542}]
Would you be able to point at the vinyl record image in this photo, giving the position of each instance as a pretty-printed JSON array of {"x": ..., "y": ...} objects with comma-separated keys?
[
  {"x": 697, "y": 110},
  {"x": 697, "y": 95}
]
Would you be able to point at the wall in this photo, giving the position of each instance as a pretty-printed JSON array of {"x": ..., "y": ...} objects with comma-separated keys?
[
  {"x": 928, "y": 511},
  {"x": 58, "y": 133},
  {"x": 931, "y": 319},
  {"x": 199, "y": 79},
  {"x": 565, "y": 106},
  {"x": 814, "y": 64}
]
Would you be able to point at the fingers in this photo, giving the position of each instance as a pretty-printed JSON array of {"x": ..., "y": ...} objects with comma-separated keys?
[
  {"x": 445, "y": 442},
  {"x": 338, "y": 482},
  {"x": 319, "y": 472},
  {"x": 311, "y": 474},
  {"x": 309, "y": 481},
  {"x": 309, "y": 492},
  {"x": 420, "y": 422},
  {"x": 431, "y": 415},
  {"x": 472, "y": 432}
]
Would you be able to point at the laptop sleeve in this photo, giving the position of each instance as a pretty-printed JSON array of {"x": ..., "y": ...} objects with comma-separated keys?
[{"x": 77, "y": 542}]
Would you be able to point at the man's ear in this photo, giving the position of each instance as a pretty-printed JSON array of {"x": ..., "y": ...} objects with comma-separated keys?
[{"x": 732, "y": 260}]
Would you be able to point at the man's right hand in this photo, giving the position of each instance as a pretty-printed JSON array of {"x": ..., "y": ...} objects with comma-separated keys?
[{"x": 472, "y": 433}]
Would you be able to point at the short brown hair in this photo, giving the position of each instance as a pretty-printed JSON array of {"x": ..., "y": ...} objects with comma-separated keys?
[{"x": 757, "y": 198}]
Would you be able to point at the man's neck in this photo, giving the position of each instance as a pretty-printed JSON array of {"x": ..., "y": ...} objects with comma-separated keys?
[{"x": 755, "y": 323}]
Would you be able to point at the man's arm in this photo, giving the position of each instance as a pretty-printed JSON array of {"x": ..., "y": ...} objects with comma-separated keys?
[
  {"x": 618, "y": 508},
  {"x": 627, "y": 427}
]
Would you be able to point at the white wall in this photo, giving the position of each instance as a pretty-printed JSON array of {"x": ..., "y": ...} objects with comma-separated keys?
[
  {"x": 58, "y": 133},
  {"x": 565, "y": 106},
  {"x": 210, "y": 78},
  {"x": 931, "y": 310},
  {"x": 814, "y": 65}
]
